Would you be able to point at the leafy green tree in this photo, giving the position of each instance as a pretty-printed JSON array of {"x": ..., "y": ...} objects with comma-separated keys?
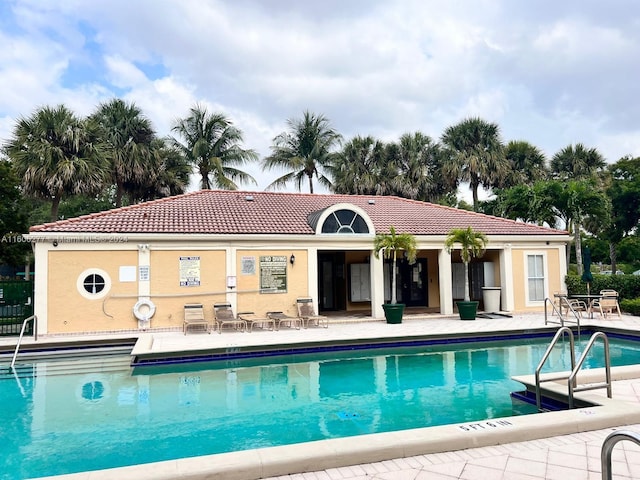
[
  {"x": 475, "y": 154},
  {"x": 304, "y": 151},
  {"x": 57, "y": 155},
  {"x": 13, "y": 218},
  {"x": 472, "y": 244},
  {"x": 573, "y": 202},
  {"x": 624, "y": 194},
  {"x": 213, "y": 145},
  {"x": 527, "y": 164},
  {"x": 128, "y": 135},
  {"x": 528, "y": 203}
]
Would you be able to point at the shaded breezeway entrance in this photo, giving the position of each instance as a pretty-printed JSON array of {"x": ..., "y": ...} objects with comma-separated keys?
[{"x": 332, "y": 287}]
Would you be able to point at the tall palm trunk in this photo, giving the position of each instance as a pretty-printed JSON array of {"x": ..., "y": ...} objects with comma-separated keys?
[
  {"x": 467, "y": 290},
  {"x": 394, "y": 296},
  {"x": 310, "y": 175},
  {"x": 613, "y": 255}
]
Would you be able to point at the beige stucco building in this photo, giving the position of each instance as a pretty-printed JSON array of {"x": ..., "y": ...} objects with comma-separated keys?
[{"x": 260, "y": 251}]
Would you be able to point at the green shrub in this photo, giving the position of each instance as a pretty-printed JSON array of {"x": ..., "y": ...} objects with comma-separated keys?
[
  {"x": 631, "y": 306},
  {"x": 627, "y": 286}
]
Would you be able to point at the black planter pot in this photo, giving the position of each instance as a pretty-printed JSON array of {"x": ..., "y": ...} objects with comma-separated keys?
[
  {"x": 393, "y": 312},
  {"x": 467, "y": 310}
]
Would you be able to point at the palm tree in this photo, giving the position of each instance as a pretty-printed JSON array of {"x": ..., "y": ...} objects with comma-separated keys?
[
  {"x": 57, "y": 154},
  {"x": 577, "y": 162},
  {"x": 472, "y": 244},
  {"x": 474, "y": 154},
  {"x": 417, "y": 158},
  {"x": 170, "y": 176},
  {"x": 304, "y": 151},
  {"x": 570, "y": 165},
  {"x": 527, "y": 164},
  {"x": 355, "y": 169},
  {"x": 127, "y": 134},
  {"x": 390, "y": 244},
  {"x": 212, "y": 145}
]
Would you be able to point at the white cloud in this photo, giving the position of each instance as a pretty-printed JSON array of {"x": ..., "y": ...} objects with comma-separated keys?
[{"x": 547, "y": 72}]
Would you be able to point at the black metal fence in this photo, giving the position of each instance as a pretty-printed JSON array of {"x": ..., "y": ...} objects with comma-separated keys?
[{"x": 16, "y": 304}]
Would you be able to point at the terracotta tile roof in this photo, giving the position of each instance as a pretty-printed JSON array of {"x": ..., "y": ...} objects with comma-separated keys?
[{"x": 230, "y": 212}]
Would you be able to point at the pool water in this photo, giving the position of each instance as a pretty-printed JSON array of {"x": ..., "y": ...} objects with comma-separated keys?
[{"x": 93, "y": 413}]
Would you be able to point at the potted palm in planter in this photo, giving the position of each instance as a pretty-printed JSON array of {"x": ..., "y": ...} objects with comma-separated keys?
[
  {"x": 472, "y": 243},
  {"x": 390, "y": 244}
]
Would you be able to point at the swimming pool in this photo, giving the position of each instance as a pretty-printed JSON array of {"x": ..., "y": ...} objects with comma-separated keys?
[{"x": 67, "y": 416}]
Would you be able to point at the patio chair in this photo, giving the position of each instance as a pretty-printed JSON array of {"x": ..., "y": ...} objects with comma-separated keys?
[
  {"x": 579, "y": 306},
  {"x": 223, "y": 314},
  {"x": 281, "y": 318},
  {"x": 607, "y": 304},
  {"x": 254, "y": 320},
  {"x": 559, "y": 302},
  {"x": 194, "y": 317},
  {"x": 308, "y": 316}
]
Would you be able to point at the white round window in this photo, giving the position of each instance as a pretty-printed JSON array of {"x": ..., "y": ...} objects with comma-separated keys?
[{"x": 93, "y": 283}]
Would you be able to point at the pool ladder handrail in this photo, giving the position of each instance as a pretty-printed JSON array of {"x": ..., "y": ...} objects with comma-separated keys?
[
  {"x": 607, "y": 448},
  {"x": 24, "y": 327},
  {"x": 564, "y": 302},
  {"x": 572, "y": 383},
  {"x": 559, "y": 334}
]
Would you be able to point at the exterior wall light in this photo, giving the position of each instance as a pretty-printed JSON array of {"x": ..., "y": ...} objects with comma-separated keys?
[{"x": 292, "y": 259}]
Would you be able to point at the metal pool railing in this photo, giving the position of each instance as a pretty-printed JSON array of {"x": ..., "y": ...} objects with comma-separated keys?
[
  {"x": 607, "y": 449},
  {"x": 24, "y": 326}
]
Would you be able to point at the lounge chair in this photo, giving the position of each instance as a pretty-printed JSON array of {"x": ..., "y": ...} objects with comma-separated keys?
[
  {"x": 308, "y": 316},
  {"x": 607, "y": 304},
  {"x": 281, "y": 318},
  {"x": 254, "y": 320},
  {"x": 223, "y": 314},
  {"x": 194, "y": 317}
]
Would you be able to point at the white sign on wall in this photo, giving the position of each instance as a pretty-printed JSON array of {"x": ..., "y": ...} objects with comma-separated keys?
[
  {"x": 127, "y": 273},
  {"x": 189, "y": 271}
]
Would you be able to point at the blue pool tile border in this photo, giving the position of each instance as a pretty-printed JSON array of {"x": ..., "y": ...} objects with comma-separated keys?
[{"x": 243, "y": 353}]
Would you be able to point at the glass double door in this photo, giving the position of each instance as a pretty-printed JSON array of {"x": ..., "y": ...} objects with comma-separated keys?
[{"x": 411, "y": 282}]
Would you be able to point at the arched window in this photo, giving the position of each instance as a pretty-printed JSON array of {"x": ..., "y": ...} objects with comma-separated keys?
[{"x": 344, "y": 221}]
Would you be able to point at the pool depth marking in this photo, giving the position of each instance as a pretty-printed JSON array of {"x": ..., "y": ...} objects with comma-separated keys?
[{"x": 476, "y": 426}]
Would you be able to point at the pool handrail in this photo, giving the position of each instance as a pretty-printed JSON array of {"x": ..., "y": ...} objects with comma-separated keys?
[
  {"x": 559, "y": 334},
  {"x": 607, "y": 368},
  {"x": 607, "y": 449},
  {"x": 24, "y": 327}
]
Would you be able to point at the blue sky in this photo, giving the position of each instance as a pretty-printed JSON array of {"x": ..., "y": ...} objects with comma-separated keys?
[{"x": 552, "y": 73}]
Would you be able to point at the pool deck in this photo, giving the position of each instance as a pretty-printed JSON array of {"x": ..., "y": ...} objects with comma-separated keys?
[{"x": 554, "y": 445}]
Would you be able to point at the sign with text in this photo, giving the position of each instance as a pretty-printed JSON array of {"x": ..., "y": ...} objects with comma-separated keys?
[
  {"x": 189, "y": 271},
  {"x": 248, "y": 266},
  {"x": 273, "y": 274}
]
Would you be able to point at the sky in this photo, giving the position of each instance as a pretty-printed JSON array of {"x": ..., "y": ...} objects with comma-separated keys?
[{"x": 553, "y": 73}]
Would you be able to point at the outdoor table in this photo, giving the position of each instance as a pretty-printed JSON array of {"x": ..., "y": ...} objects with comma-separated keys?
[{"x": 588, "y": 299}]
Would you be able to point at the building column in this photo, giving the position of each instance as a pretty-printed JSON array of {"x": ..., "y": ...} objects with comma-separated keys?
[
  {"x": 377, "y": 285},
  {"x": 506, "y": 276},
  {"x": 445, "y": 281},
  {"x": 312, "y": 275}
]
